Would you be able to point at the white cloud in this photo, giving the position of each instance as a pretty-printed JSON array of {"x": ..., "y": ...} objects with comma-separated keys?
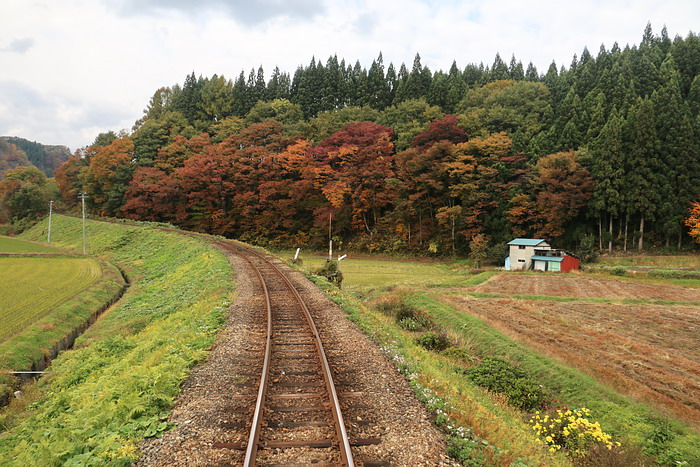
[{"x": 89, "y": 66}]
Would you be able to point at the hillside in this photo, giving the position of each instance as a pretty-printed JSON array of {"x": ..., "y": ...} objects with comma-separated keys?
[
  {"x": 46, "y": 158},
  {"x": 121, "y": 378},
  {"x": 602, "y": 151}
]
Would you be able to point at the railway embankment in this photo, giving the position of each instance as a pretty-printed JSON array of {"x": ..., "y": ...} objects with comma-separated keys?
[{"x": 118, "y": 383}]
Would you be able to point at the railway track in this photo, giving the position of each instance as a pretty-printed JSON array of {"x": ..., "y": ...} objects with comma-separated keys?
[{"x": 296, "y": 414}]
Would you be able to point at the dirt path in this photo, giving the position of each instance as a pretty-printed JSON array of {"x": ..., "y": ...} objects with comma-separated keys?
[{"x": 387, "y": 408}]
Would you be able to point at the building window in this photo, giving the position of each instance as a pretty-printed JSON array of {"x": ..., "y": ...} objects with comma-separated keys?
[
  {"x": 521, "y": 261},
  {"x": 521, "y": 247}
]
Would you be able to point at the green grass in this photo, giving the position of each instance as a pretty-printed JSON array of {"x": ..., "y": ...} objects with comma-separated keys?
[
  {"x": 365, "y": 275},
  {"x": 15, "y": 245},
  {"x": 679, "y": 261},
  {"x": 119, "y": 383},
  {"x": 33, "y": 286},
  {"x": 496, "y": 434}
]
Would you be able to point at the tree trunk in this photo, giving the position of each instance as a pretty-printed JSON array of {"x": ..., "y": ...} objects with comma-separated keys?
[
  {"x": 610, "y": 228},
  {"x": 420, "y": 226},
  {"x": 627, "y": 221},
  {"x": 600, "y": 233},
  {"x": 619, "y": 228},
  {"x": 640, "y": 245},
  {"x": 454, "y": 223},
  {"x": 680, "y": 238},
  {"x": 364, "y": 219}
]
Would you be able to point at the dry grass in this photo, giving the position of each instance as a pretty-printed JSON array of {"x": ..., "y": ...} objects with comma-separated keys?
[
  {"x": 648, "y": 352},
  {"x": 576, "y": 285}
]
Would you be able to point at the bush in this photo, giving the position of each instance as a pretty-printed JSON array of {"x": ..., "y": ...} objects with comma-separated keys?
[
  {"x": 458, "y": 353},
  {"x": 465, "y": 450},
  {"x": 618, "y": 271},
  {"x": 573, "y": 432},
  {"x": 656, "y": 444},
  {"x": 674, "y": 274},
  {"x": 395, "y": 307},
  {"x": 410, "y": 324},
  {"x": 587, "y": 250},
  {"x": 331, "y": 271},
  {"x": 434, "y": 341},
  {"x": 501, "y": 376}
]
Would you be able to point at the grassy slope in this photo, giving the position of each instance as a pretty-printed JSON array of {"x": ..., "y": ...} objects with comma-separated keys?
[
  {"x": 119, "y": 384},
  {"x": 625, "y": 418}
]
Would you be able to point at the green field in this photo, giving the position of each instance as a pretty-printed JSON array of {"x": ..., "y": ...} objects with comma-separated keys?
[
  {"x": 33, "y": 286},
  {"x": 15, "y": 245},
  {"x": 670, "y": 261},
  {"x": 364, "y": 275}
]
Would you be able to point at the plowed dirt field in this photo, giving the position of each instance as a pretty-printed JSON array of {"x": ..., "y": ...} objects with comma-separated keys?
[
  {"x": 574, "y": 285},
  {"x": 649, "y": 352}
]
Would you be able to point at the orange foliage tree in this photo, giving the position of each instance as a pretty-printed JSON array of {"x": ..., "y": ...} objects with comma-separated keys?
[{"x": 693, "y": 221}]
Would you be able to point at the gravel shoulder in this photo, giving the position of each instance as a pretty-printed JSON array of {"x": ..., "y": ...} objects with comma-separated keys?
[{"x": 376, "y": 400}]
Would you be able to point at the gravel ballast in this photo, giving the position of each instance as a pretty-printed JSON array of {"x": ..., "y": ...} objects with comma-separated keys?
[{"x": 376, "y": 400}]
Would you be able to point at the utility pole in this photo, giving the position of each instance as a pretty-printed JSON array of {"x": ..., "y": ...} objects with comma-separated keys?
[
  {"x": 82, "y": 196},
  {"x": 48, "y": 240},
  {"x": 330, "y": 238}
]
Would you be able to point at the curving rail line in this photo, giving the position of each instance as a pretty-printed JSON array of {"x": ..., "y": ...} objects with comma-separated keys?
[{"x": 275, "y": 339}]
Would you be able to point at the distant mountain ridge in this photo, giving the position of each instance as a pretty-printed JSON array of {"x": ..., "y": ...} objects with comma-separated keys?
[{"x": 16, "y": 151}]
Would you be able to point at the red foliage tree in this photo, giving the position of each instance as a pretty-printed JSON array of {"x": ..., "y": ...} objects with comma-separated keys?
[
  {"x": 354, "y": 167},
  {"x": 444, "y": 129},
  {"x": 152, "y": 196}
]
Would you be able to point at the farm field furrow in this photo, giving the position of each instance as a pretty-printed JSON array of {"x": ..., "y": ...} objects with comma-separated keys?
[
  {"x": 33, "y": 286},
  {"x": 577, "y": 286},
  {"x": 648, "y": 352}
]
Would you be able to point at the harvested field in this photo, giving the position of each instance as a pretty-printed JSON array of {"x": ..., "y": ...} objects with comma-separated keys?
[
  {"x": 648, "y": 352},
  {"x": 575, "y": 285}
]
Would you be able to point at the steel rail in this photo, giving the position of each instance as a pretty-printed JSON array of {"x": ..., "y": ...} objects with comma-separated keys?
[
  {"x": 252, "y": 447},
  {"x": 341, "y": 432}
]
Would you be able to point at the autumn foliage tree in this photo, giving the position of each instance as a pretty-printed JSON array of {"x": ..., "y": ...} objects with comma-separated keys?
[
  {"x": 561, "y": 188},
  {"x": 354, "y": 171},
  {"x": 693, "y": 221},
  {"x": 24, "y": 194},
  {"x": 407, "y": 157}
]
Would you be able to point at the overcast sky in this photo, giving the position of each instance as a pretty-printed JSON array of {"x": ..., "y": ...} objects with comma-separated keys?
[{"x": 70, "y": 69}]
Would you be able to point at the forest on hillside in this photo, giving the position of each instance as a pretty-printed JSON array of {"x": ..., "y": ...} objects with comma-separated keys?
[
  {"x": 604, "y": 152},
  {"x": 18, "y": 152}
]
